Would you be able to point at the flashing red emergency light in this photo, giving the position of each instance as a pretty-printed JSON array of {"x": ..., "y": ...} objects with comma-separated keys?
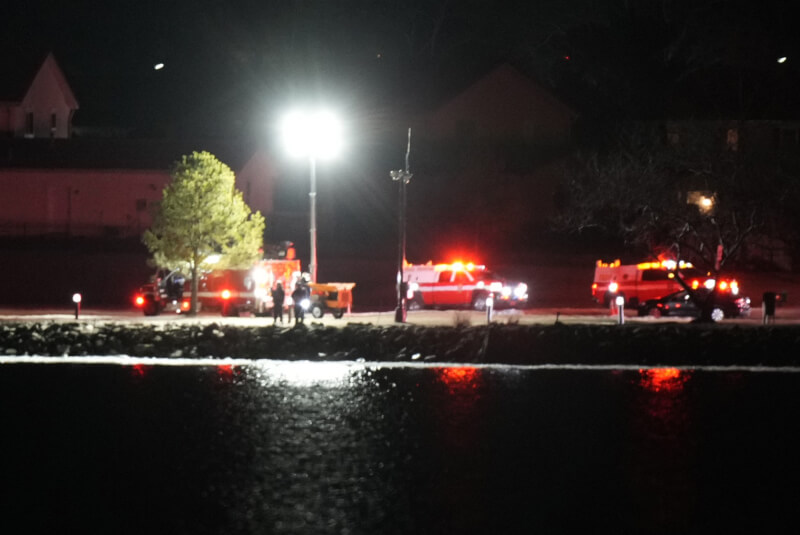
[
  {"x": 225, "y": 294},
  {"x": 138, "y": 300},
  {"x": 186, "y": 305}
]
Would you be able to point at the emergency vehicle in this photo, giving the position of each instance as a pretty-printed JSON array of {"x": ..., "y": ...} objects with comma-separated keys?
[
  {"x": 637, "y": 283},
  {"x": 459, "y": 285},
  {"x": 231, "y": 291}
]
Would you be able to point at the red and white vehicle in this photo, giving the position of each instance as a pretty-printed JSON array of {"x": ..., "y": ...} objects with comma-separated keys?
[
  {"x": 637, "y": 283},
  {"x": 231, "y": 291},
  {"x": 459, "y": 285}
]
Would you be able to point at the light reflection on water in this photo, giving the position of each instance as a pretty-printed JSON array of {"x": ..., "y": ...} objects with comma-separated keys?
[{"x": 335, "y": 447}]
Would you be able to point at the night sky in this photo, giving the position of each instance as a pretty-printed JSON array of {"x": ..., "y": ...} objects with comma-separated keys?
[{"x": 228, "y": 65}]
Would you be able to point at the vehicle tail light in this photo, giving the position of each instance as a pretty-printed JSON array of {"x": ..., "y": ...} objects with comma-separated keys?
[{"x": 138, "y": 300}]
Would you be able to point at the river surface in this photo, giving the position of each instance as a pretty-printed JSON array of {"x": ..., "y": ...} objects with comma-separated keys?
[{"x": 298, "y": 447}]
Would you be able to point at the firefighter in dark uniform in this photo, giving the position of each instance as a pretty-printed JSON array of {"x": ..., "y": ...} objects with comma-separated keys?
[
  {"x": 278, "y": 296},
  {"x": 298, "y": 295}
]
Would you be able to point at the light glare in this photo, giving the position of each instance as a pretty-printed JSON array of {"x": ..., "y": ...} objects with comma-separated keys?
[{"x": 314, "y": 135}]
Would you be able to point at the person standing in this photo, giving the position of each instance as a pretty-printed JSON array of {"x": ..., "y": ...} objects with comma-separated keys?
[
  {"x": 298, "y": 295},
  {"x": 278, "y": 296}
]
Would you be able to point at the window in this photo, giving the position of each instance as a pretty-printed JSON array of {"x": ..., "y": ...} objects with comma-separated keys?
[
  {"x": 29, "y": 124},
  {"x": 445, "y": 276},
  {"x": 787, "y": 138},
  {"x": 732, "y": 139},
  {"x": 462, "y": 278},
  {"x": 655, "y": 275}
]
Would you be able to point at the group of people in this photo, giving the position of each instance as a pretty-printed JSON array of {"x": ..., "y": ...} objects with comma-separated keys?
[{"x": 301, "y": 292}]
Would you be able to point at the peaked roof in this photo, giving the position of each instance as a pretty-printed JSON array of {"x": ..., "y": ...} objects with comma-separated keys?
[
  {"x": 506, "y": 76},
  {"x": 19, "y": 73}
]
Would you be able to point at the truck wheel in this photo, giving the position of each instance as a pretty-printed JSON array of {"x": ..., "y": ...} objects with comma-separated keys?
[
  {"x": 338, "y": 313},
  {"x": 415, "y": 303},
  {"x": 479, "y": 301},
  {"x": 317, "y": 311},
  {"x": 717, "y": 314},
  {"x": 151, "y": 308}
]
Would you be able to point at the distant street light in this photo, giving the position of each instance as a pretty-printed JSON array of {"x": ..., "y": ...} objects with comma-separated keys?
[
  {"x": 76, "y": 299},
  {"x": 402, "y": 177},
  {"x": 313, "y": 135}
]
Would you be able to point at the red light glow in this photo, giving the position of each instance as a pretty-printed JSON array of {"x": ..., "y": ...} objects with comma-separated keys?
[
  {"x": 662, "y": 379},
  {"x": 139, "y": 300},
  {"x": 226, "y": 372},
  {"x": 461, "y": 380},
  {"x": 226, "y": 294},
  {"x": 457, "y": 375},
  {"x": 139, "y": 370}
]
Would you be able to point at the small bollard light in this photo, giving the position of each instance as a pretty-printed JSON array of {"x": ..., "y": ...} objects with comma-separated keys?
[
  {"x": 489, "y": 307},
  {"x": 620, "y": 302},
  {"x": 76, "y": 298}
]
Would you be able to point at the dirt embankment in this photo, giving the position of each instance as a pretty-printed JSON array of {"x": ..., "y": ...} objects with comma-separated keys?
[{"x": 646, "y": 345}]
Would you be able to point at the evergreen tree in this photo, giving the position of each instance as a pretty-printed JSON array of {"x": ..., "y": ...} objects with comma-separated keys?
[{"x": 202, "y": 215}]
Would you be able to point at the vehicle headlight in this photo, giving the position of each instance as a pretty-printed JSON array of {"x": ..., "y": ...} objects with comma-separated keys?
[
  {"x": 260, "y": 293},
  {"x": 521, "y": 291},
  {"x": 260, "y": 275},
  {"x": 305, "y": 303},
  {"x": 496, "y": 287},
  {"x": 506, "y": 292}
]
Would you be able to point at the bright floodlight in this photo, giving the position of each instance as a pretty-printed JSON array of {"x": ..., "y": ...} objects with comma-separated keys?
[
  {"x": 782, "y": 59},
  {"x": 315, "y": 134}
]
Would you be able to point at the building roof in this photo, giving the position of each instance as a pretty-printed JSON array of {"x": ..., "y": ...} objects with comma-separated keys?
[
  {"x": 18, "y": 71},
  {"x": 498, "y": 81},
  {"x": 77, "y": 153}
]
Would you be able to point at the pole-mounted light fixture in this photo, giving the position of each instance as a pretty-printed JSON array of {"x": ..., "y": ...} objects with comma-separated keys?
[{"x": 402, "y": 177}]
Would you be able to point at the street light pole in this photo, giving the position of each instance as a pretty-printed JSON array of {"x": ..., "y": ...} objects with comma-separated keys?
[
  {"x": 402, "y": 177},
  {"x": 314, "y": 135},
  {"x": 312, "y": 222}
]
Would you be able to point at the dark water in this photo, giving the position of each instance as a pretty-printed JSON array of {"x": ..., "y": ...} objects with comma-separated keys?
[{"x": 299, "y": 448}]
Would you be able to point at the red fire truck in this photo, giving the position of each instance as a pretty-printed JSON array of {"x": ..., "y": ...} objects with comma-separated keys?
[
  {"x": 636, "y": 283},
  {"x": 459, "y": 284},
  {"x": 231, "y": 291}
]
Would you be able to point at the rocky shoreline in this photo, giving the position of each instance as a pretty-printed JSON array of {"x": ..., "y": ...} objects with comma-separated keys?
[{"x": 646, "y": 345}]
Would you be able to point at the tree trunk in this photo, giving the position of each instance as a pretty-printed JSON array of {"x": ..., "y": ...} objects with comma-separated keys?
[{"x": 195, "y": 285}]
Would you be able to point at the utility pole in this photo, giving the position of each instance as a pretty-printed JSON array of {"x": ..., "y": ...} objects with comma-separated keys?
[{"x": 402, "y": 177}]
